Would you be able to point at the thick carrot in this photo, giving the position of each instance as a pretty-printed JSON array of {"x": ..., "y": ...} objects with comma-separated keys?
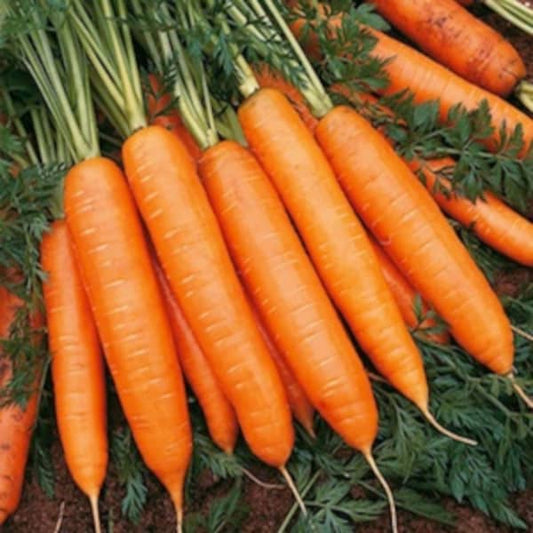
[
  {"x": 401, "y": 214},
  {"x": 77, "y": 366},
  {"x": 16, "y": 423},
  {"x": 494, "y": 222},
  {"x": 130, "y": 316},
  {"x": 161, "y": 112},
  {"x": 192, "y": 252},
  {"x": 458, "y": 40},
  {"x": 287, "y": 292},
  {"x": 219, "y": 414},
  {"x": 405, "y": 297},
  {"x": 409, "y": 69}
]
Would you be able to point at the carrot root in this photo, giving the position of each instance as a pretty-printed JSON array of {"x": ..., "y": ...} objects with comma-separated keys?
[
  {"x": 96, "y": 513},
  {"x": 59, "y": 522},
  {"x": 294, "y": 490},
  {"x": 520, "y": 391},
  {"x": 179, "y": 520},
  {"x": 431, "y": 419},
  {"x": 257, "y": 481},
  {"x": 522, "y": 333},
  {"x": 383, "y": 482}
]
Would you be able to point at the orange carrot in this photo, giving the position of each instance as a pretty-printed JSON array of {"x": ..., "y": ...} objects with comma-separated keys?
[
  {"x": 409, "y": 69},
  {"x": 16, "y": 423},
  {"x": 161, "y": 112},
  {"x": 405, "y": 297},
  {"x": 458, "y": 40},
  {"x": 77, "y": 366},
  {"x": 287, "y": 292},
  {"x": 195, "y": 260},
  {"x": 219, "y": 415},
  {"x": 130, "y": 316},
  {"x": 406, "y": 221},
  {"x": 494, "y": 222}
]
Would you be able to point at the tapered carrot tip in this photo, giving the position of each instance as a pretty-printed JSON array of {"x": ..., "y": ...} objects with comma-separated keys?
[
  {"x": 96, "y": 513},
  {"x": 520, "y": 391},
  {"x": 431, "y": 419},
  {"x": 179, "y": 520},
  {"x": 379, "y": 476},
  {"x": 3, "y": 516},
  {"x": 294, "y": 490}
]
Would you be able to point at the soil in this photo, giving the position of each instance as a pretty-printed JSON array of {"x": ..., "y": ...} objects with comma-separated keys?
[{"x": 267, "y": 508}]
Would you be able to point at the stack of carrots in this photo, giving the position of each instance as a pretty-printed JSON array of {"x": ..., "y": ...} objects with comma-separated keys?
[{"x": 228, "y": 263}]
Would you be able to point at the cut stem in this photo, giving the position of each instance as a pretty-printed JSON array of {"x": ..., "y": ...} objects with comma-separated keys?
[
  {"x": 509, "y": 12},
  {"x": 96, "y": 513},
  {"x": 524, "y": 92},
  {"x": 390, "y": 497},
  {"x": 294, "y": 490},
  {"x": 431, "y": 419}
]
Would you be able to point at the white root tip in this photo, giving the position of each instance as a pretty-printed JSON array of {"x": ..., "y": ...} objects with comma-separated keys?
[
  {"x": 392, "y": 505},
  {"x": 522, "y": 333},
  {"x": 294, "y": 490},
  {"x": 96, "y": 513},
  {"x": 431, "y": 419},
  {"x": 521, "y": 393},
  {"x": 257, "y": 481}
]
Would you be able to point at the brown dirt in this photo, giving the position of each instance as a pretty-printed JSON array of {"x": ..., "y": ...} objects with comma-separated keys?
[{"x": 38, "y": 514}]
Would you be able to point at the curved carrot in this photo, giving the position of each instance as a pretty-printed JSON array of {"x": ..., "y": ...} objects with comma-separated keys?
[
  {"x": 194, "y": 257},
  {"x": 494, "y": 222},
  {"x": 77, "y": 366},
  {"x": 458, "y": 40},
  {"x": 406, "y": 221},
  {"x": 219, "y": 415},
  {"x": 287, "y": 292},
  {"x": 130, "y": 316},
  {"x": 409, "y": 69},
  {"x": 16, "y": 423},
  {"x": 162, "y": 113},
  {"x": 405, "y": 297}
]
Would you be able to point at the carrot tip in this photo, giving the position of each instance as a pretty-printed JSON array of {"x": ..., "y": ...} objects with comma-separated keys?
[
  {"x": 431, "y": 419},
  {"x": 95, "y": 512},
  {"x": 179, "y": 520},
  {"x": 294, "y": 490},
  {"x": 390, "y": 497}
]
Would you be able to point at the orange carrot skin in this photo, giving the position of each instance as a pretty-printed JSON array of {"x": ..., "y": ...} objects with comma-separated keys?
[
  {"x": 161, "y": 113},
  {"x": 401, "y": 214},
  {"x": 405, "y": 297},
  {"x": 334, "y": 237},
  {"x": 458, "y": 40},
  {"x": 409, "y": 69},
  {"x": 16, "y": 423},
  {"x": 77, "y": 363},
  {"x": 130, "y": 316},
  {"x": 194, "y": 257},
  {"x": 219, "y": 414},
  {"x": 287, "y": 292},
  {"x": 493, "y": 221}
]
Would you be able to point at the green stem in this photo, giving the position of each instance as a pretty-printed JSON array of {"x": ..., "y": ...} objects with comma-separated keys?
[
  {"x": 508, "y": 11},
  {"x": 524, "y": 92}
]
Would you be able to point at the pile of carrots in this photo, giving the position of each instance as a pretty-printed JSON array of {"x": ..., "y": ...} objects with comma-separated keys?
[{"x": 227, "y": 266}]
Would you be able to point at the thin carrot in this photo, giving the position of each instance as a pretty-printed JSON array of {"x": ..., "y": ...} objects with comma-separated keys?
[
  {"x": 77, "y": 366},
  {"x": 161, "y": 112},
  {"x": 288, "y": 293},
  {"x": 193, "y": 255},
  {"x": 405, "y": 297},
  {"x": 494, "y": 222},
  {"x": 129, "y": 311},
  {"x": 409, "y": 69},
  {"x": 219, "y": 414},
  {"x": 458, "y": 40},
  {"x": 406, "y": 221},
  {"x": 16, "y": 422}
]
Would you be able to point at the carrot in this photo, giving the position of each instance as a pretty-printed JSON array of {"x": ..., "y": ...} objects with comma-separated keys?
[
  {"x": 161, "y": 112},
  {"x": 77, "y": 366},
  {"x": 494, "y": 222},
  {"x": 16, "y": 422},
  {"x": 405, "y": 297},
  {"x": 458, "y": 40},
  {"x": 129, "y": 312},
  {"x": 219, "y": 415},
  {"x": 407, "y": 68},
  {"x": 407, "y": 222},
  {"x": 288, "y": 293},
  {"x": 195, "y": 260}
]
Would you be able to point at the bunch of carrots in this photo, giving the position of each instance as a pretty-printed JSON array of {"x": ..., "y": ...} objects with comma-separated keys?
[{"x": 230, "y": 263}]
